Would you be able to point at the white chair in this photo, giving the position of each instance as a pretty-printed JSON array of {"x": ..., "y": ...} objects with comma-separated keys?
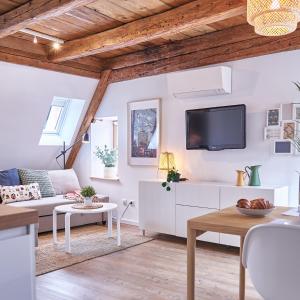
[{"x": 272, "y": 256}]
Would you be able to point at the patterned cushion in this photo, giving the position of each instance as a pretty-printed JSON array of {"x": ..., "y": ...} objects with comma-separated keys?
[
  {"x": 16, "y": 193},
  {"x": 41, "y": 177}
]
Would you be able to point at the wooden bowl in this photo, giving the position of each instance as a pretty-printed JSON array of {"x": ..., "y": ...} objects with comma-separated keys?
[{"x": 255, "y": 212}]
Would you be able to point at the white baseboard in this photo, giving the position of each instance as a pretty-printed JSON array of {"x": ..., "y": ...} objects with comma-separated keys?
[{"x": 128, "y": 221}]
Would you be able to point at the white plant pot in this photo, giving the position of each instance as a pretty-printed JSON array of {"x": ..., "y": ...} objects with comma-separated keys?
[
  {"x": 109, "y": 172},
  {"x": 88, "y": 201}
]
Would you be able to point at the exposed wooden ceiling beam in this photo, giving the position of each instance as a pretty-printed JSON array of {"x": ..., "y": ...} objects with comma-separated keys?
[
  {"x": 35, "y": 11},
  {"x": 90, "y": 114},
  {"x": 251, "y": 47},
  {"x": 181, "y": 47},
  {"x": 195, "y": 13}
]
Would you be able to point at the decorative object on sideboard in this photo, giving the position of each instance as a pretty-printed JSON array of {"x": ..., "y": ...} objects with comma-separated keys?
[
  {"x": 241, "y": 175},
  {"x": 88, "y": 193},
  {"x": 109, "y": 159},
  {"x": 173, "y": 176},
  {"x": 273, "y": 17},
  {"x": 85, "y": 139},
  {"x": 144, "y": 132},
  {"x": 253, "y": 175},
  {"x": 166, "y": 161}
]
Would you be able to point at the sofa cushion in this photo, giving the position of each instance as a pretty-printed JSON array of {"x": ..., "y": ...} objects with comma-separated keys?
[
  {"x": 64, "y": 181},
  {"x": 41, "y": 177},
  {"x": 44, "y": 206},
  {"x": 9, "y": 177},
  {"x": 16, "y": 193}
]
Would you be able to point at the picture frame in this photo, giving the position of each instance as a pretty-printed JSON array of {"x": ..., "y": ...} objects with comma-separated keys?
[
  {"x": 273, "y": 117},
  {"x": 144, "y": 132},
  {"x": 283, "y": 147},
  {"x": 296, "y": 112},
  {"x": 289, "y": 129},
  {"x": 273, "y": 133}
]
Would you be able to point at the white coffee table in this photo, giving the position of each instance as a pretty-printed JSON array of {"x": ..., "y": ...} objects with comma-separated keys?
[{"x": 69, "y": 210}]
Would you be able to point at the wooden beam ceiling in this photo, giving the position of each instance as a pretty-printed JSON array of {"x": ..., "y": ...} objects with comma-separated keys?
[
  {"x": 33, "y": 12},
  {"x": 241, "y": 44},
  {"x": 90, "y": 115},
  {"x": 195, "y": 13}
]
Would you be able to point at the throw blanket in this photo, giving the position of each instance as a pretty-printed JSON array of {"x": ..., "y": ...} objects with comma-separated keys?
[{"x": 76, "y": 196}]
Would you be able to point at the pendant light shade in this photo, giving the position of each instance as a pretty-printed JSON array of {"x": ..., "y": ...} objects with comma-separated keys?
[{"x": 273, "y": 17}]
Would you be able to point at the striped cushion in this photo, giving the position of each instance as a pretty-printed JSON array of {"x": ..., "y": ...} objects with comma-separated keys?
[{"x": 41, "y": 177}]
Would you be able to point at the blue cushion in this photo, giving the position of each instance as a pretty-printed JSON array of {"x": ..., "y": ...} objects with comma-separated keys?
[{"x": 9, "y": 177}]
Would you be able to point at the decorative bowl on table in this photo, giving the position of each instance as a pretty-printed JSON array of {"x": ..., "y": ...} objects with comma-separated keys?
[{"x": 254, "y": 208}]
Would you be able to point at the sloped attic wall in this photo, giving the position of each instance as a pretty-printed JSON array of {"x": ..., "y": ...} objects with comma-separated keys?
[{"x": 25, "y": 97}]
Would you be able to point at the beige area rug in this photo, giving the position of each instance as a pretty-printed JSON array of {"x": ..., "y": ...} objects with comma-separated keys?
[{"x": 50, "y": 258}]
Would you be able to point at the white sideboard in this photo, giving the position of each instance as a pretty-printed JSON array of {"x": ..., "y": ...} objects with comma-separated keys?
[{"x": 168, "y": 212}]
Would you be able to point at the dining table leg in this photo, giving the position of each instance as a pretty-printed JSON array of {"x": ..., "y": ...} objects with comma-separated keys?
[
  {"x": 191, "y": 249},
  {"x": 242, "y": 271}
]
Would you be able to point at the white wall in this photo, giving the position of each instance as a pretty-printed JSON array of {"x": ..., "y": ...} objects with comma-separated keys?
[
  {"x": 261, "y": 83},
  {"x": 25, "y": 97}
]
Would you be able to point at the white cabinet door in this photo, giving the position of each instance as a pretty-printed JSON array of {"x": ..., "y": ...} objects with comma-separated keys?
[
  {"x": 156, "y": 208},
  {"x": 184, "y": 213},
  {"x": 200, "y": 195}
]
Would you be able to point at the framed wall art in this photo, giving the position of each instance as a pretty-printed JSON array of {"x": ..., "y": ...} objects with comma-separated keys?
[
  {"x": 288, "y": 129},
  {"x": 296, "y": 112},
  {"x": 144, "y": 132},
  {"x": 273, "y": 117}
]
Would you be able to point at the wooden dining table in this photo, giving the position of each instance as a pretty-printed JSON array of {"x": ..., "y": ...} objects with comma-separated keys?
[{"x": 229, "y": 221}]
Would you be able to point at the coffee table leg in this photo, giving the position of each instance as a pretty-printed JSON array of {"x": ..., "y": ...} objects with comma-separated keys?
[
  {"x": 67, "y": 233},
  {"x": 109, "y": 224},
  {"x": 54, "y": 226},
  {"x": 118, "y": 230}
]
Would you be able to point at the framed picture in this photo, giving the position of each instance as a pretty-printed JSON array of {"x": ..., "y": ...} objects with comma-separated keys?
[
  {"x": 144, "y": 132},
  {"x": 273, "y": 117},
  {"x": 289, "y": 129},
  {"x": 296, "y": 112},
  {"x": 283, "y": 147},
  {"x": 286, "y": 111},
  {"x": 273, "y": 133}
]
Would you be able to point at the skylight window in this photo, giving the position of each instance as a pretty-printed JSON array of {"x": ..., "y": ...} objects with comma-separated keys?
[
  {"x": 56, "y": 116},
  {"x": 61, "y": 121}
]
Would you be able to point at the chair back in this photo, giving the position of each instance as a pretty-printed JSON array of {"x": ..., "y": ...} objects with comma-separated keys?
[{"x": 272, "y": 256}]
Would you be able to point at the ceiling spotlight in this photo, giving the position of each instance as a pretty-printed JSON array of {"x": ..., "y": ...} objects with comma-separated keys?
[
  {"x": 35, "y": 41},
  {"x": 56, "y": 45}
]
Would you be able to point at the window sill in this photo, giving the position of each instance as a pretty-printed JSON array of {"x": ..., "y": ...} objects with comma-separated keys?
[{"x": 108, "y": 179}]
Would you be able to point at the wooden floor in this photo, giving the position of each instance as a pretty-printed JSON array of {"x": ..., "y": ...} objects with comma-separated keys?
[{"x": 152, "y": 271}]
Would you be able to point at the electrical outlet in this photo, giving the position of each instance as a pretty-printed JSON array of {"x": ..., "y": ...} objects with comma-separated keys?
[{"x": 125, "y": 201}]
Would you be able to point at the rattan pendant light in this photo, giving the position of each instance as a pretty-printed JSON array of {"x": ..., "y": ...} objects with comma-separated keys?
[{"x": 273, "y": 17}]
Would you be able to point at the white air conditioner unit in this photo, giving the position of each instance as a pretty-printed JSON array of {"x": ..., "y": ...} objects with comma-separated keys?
[{"x": 200, "y": 83}]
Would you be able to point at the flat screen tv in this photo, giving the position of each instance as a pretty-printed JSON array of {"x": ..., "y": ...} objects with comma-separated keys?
[{"x": 216, "y": 128}]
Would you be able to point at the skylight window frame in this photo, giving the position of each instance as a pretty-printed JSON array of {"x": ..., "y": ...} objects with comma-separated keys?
[{"x": 60, "y": 102}]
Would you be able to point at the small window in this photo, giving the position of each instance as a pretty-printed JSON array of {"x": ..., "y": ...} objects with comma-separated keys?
[{"x": 56, "y": 116}]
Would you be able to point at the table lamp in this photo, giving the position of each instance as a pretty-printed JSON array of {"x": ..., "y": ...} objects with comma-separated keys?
[{"x": 166, "y": 161}]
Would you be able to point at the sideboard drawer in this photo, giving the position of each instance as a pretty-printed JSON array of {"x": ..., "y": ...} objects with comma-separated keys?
[
  {"x": 184, "y": 213},
  {"x": 193, "y": 194}
]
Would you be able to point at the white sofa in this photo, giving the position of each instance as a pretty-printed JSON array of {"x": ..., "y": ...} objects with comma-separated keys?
[{"x": 63, "y": 181}]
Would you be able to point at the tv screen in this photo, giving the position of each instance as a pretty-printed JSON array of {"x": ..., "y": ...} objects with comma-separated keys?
[{"x": 216, "y": 128}]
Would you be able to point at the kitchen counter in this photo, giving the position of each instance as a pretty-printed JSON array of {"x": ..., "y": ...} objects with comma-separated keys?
[{"x": 11, "y": 217}]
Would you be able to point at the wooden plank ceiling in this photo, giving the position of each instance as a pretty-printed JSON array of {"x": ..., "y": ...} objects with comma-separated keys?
[{"x": 133, "y": 37}]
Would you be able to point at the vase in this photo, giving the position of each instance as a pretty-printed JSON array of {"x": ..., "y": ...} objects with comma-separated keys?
[
  {"x": 87, "y": 201},
  {"x": 109, "y": 172}
]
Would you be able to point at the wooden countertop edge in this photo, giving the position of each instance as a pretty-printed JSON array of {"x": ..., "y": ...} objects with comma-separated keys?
[{"x": 12, "y": 217}]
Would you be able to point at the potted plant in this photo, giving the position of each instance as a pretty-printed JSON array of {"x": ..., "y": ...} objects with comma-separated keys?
[
  {"x": 109, "y": 158},
  {"x": 173, "y": 176},
  {"x": 87, "y": 193}
]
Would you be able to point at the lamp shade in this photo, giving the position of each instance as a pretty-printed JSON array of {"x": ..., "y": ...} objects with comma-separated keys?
[
  {"x": 167, "y": 161},
  {"x": 273, "y": 17},
  {"x": 86, "y": 138}
]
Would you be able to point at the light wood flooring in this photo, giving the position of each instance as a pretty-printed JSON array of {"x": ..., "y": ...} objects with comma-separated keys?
[{"x": 152, "y": 271}]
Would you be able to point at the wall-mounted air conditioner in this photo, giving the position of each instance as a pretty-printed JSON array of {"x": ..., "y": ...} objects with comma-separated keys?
[{"x": 200, "y": 83}]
